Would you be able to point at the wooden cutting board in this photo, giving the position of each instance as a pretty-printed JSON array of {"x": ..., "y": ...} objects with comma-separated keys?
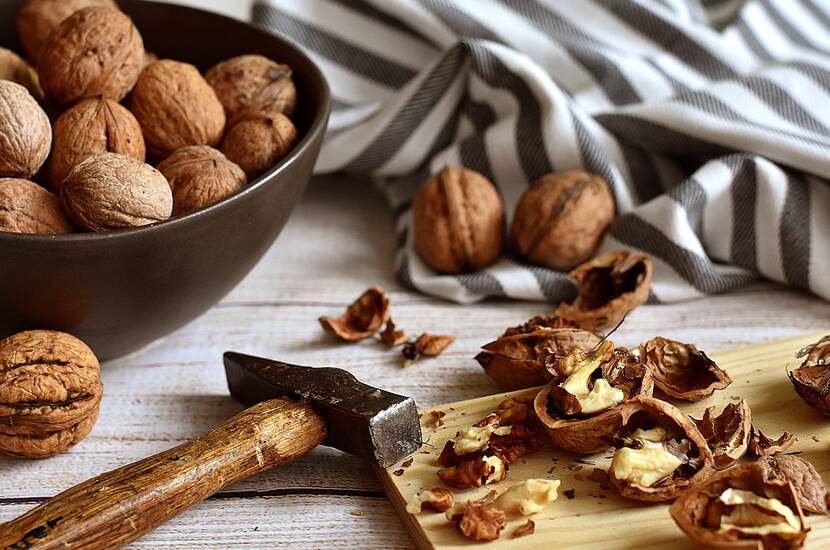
[{"x": 599, "y": 518}]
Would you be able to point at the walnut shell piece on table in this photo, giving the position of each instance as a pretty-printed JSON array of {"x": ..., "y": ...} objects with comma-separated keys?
[
  {"x": 256, "y": 141},
  {"x": 112, "y": 191},
  {"x": 95, "y": 125},
  {"x": 806, "y": 481},
  {"x": 38, "y": 18},
  {"x": 200, "y": 176},
  {"x": 50, "y": 389},
  {"x": 26, "y": 207},
  {"x": 25, "y": 132},
  {"x": 727, "y": 434},
  {"x": 811, "y": 379},
  {"x": 610, "y": 286},
  {"x": 363, "y": 318},
  {"x": 561, "y": 219},
  {"x": 681, "y": 370},
  {"x": 253, "y": 82},
  {"x": 15, "y": 68},
  {"x": 458, "y": 221},
  {"x": 761, "y": 445},
  {"x": 157, "y": 101},
  {"x": 699, "y": 511},
  {"x": 95, "y": 51}
]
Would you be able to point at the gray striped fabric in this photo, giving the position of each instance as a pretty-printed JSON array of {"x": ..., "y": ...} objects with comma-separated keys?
[{"x": 710, "y": 119}]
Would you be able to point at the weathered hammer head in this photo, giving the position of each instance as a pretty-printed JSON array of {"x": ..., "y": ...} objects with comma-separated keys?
[{"x": 362, "y": 420}]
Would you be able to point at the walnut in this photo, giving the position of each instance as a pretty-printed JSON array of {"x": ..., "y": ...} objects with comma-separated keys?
[
  {"x": 741, "y": 509},
  {"x": 516, "y": 410},
  {"x": 25, "y": 132},
  {"x": 761, "y": 445},
  {"x": 363, "y": 318},
  {"x": 458, "y": 221},
  {"x": 662, "y": 452},
  {"x": 392, "y": 337},
  {"x": 157, "y": 101},
  {"x": 560, "y": 221},
  {"x": 811, "y": 379},
  {"x": 430, "y": 345},
  {"x": 95, "y": 125},
  {"x": 481, "y": 521},
  {"x": 14, "y": 68},
  {"x": 438, "y": 499},
  {"x": 111, "y": 191},
  {"x": 26, "y": 207},
  {"x": 681, "y": 370},
  {"x": 253, "y": 82},
  {"x": 726, "y": 434},
  {"x": 200, "y": 176},
  {"x": 610, "y": 286},
  {"x": 806, "y": 481},
  {"x": 49, "y": 393},
  {"x": 258, "y": 140},
  {"x": 530, "y": 496},
  {"x": 623, "y": 379},
  {"x": 475, "y": 472},
  {"x": 38, "y": 18},
  {"x": 95, "y": 51}
]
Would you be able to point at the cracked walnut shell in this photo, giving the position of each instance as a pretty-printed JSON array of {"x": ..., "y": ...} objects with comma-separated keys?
[
  {"x": 253, "y": 82},
  {"x": 728, "y": 434},
  {"x": 200, "y": 176},
  {"x": 560, "y": 221},
  {"x": 26, "y": 207},
  {"x": 95, "y": 51},
  {"x": 811, "y": 379},
  {"x": 111, "y": 191},
  {"x": 256, "y": 141},
  {"x": 806, "y": 481},
  {"x": 14, "y": 68},
  {"x": 681, "y": 370},
  {"x": 49, "y": 393},
  {"x": 25, "y": 132},
  {"x": 458, "y": 221},
  {"x": 363, "y": 318}
]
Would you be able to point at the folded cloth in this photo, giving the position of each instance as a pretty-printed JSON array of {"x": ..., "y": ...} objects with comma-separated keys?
[{"x": 710, "y": 119}]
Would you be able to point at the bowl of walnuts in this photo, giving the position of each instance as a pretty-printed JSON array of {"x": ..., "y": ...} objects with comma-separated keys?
[{"x": 149, "y": 155}]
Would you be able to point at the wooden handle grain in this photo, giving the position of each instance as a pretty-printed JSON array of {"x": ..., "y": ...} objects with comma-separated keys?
[{"x": 118, "y": 507}]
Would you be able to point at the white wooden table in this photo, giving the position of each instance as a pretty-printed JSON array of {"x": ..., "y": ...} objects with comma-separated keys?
[{"x": 337, "y": 243}]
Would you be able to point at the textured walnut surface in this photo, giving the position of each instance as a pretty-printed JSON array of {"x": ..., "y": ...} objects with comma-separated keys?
[
  {"x": 253, "y": 82},
  {"x": 258, "y": 140},
  {"x": 25, "y": 132},
  {"x": 15, "y": 68},
  {"x": 26, "y": 207},
  {"x": 681, "y": 370}
]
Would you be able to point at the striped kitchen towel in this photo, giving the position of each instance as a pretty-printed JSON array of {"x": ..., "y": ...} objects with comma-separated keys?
[{"x": 710, "y": 119}]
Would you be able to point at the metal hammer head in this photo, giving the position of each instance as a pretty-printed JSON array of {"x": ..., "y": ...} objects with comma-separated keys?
[{"x": 362, "y": 420}]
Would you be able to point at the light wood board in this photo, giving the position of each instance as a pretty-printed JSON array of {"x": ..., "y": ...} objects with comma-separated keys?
[{"x": 597, "y": 517}]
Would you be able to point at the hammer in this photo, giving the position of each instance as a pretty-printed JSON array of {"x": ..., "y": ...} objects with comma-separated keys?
[{"x": 292, "y": 410}]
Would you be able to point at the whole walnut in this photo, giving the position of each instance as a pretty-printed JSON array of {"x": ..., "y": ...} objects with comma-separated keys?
[
  {"x": 111, "y": 191},
  {"x": 258, "y": 140},
  {"x": 253, "y": 82},
  {"x": 458, "y": 221},
  {"x": 176, "y": 107},
  {"x": 25, "y": 132},
  {"x": 94, "y": 51},
  {"x": 200, "y": 176},
  {"x": 50, "y": 390},
  {"x": 38, "y": 18},
  {"x": 561, "y": 219},
  {"x": 96, "y": 125},
  {"x": 26, "y": 207},
  {"x": 14, "y": 68}
]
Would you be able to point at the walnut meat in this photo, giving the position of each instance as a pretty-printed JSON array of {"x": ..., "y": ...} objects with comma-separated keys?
[
  {"x": 49, "y": 393},
  {"x": 681, "y": 370},
  {"x": 157, "y": 99},
  {"x": 481, "y": 521},
  {"x": 258, "y": 140},
  {"x": 38, "y": 18},
  {"x": 727, "y": 434},
  {"x": 253, "y": 82},
  {"x": 25, "y": 132},
  {"x": 95, "y": 125},
  {"x": 458, "y": 221},
  {"x": 26, "y": 207},
  {"x": 561, "y": 219},
  {"x": 110, "y": 191},
  {"x": 14, "y": 68},
  {"x": 200, "y": 176},
  {"x": 95, "y": 51}
]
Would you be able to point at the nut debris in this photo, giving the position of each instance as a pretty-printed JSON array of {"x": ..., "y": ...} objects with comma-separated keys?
[
  {"x": 728, "y": 434},
  {"x": 762, "y": 445},
  {"x": 363, "y": 318},
  {"x": 681, "y": 370}
]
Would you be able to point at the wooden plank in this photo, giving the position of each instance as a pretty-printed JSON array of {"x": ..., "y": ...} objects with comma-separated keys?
[{"x": 596, "y": 516}]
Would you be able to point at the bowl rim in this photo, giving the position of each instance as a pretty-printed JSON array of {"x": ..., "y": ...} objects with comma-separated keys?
[{"x": 318, "y": 125}]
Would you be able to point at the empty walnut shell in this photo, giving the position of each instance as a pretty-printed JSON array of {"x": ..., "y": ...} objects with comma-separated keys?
[
  {"x": 95, "y": 51},
  {"x": 681, "y": 370},
  {"x": 727, "y": 434},
  {"x": 811, "y": 380},
  {"x": 761, "y": 445},
  {"x": 95, "y": 125},
  {"x": 49, "y": 393},
  {"x": 200, "y": 176},
  {"x": 687, "y": 443},
  {"x": 363, "y": 318},
  {"x": 588, "y": 434},
  {"x": 610, "y": 286},
  {"x": 698, "y": 511},
  {"x": 253, "y": 82},
  {"x": 806, "y": 481},
  {"x": 26, "y": 207},
  {"x": 25, "y": 132},
  {"x": 14, "y": 68}
]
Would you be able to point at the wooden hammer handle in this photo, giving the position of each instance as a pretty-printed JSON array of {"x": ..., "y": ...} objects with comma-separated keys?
[{"x": 118, "y": 507}]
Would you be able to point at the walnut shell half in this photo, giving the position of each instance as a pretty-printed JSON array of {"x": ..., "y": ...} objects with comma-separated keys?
[
  {"x": 26, "y": 207},
  {"x": 727, "y": 434},
  {"x": 14, "y": 68},
  {"x": 610, "y": 286},
  {"x": 25, "y": 132},
  {"x": 253, "y": 82},
  {"x": 811, "y": 379},
  {"x": 363, "y": 318},
  {"x": 681, "y": 370},
  {"x": 806, "y": 481}
]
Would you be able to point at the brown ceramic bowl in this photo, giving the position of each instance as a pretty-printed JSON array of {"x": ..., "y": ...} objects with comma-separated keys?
[{"x": 120, "y": 290}]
